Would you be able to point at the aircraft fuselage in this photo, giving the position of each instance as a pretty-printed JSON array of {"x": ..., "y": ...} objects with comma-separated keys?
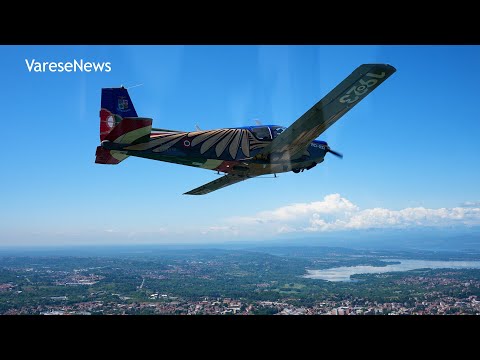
[{"x": 231, "y": 151}]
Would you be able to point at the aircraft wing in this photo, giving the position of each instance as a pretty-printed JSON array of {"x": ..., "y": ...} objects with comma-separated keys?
[
  {"x": 293, "y": 142},
  {"x": 217, "y": 184}
]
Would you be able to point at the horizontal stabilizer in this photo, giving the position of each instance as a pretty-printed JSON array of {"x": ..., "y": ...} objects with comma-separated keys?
[{"x": 104, "y": 156}]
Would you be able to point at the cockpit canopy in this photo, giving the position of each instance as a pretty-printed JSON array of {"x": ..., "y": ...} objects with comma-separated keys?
[
  {"x": 267, "y": 132},
  {"x": 277, "y": 130}
]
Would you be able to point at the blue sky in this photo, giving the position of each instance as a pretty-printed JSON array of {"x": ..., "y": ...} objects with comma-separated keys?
[{"x": 411, "y": 149}]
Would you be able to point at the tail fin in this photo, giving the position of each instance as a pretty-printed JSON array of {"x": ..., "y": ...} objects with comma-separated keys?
[
  {"x": 116, "y": 104},
  {"x": 120, "y": 124}
]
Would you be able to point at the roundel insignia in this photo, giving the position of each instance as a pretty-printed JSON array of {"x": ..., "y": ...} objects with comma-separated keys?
[
  {"x": 186, "y": 143},
  {"x": 110, "y": 121}
]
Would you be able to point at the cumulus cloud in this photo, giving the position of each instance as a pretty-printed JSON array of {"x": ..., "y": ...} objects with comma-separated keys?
[
  {"x": 332, "y": 204},
  {"x": 332, "y": 213},
  {"x": 336, "y": 213}
]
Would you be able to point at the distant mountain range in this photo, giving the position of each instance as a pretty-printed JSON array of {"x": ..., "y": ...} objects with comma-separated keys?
[
  {"x": 429, "y": 239},
  {"x": 422, "y": 239}
]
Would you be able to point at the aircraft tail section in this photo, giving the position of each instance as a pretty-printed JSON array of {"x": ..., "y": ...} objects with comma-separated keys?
[
  {"x": 119, "y": 123},
  {"x": 116, "y": 105}
]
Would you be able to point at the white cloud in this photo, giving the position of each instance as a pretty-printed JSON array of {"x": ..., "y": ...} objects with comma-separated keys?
[
  {"x": 333, "y": 213},
  {"x": 332, "y": 204},
  {"x": 336, "y": 213}
]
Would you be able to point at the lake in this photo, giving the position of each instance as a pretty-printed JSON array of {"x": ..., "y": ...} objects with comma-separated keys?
[{"x": 343, "y": 273}]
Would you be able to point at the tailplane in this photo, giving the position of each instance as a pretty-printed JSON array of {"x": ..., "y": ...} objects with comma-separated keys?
[{"x": 119, "y": 123}]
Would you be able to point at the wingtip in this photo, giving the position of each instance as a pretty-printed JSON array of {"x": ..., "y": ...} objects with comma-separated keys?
[
  {"x": 388, "y": 66},
  {"x": 393, "y": 68}
]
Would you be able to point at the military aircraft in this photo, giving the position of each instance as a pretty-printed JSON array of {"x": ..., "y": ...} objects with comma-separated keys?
[{"x": 239, "y": 153}]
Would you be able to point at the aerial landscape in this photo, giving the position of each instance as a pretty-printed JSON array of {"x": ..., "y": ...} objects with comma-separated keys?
[
  {"x": 270, "y": 280},
  {"x": 358, "y": 201}
]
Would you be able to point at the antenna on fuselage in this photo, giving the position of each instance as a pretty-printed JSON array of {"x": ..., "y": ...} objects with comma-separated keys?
[
  {"x": 131, "y": 87},
  {"x": 197, "y": 127}
]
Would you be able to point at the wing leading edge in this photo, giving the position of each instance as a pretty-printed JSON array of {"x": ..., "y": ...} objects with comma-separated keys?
[
  {"x": 217, "y": 184},
  {"x": 292, "y": 143}
]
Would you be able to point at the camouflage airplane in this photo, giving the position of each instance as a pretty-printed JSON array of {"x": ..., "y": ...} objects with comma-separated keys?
[{"x": 240, "y": 153}]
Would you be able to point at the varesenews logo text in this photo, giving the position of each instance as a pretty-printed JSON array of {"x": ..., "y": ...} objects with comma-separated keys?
[{"x": 68, "y": 66}]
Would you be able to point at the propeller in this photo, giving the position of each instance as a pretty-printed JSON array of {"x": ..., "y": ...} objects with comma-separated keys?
[{"x": 337, "y": 154}]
